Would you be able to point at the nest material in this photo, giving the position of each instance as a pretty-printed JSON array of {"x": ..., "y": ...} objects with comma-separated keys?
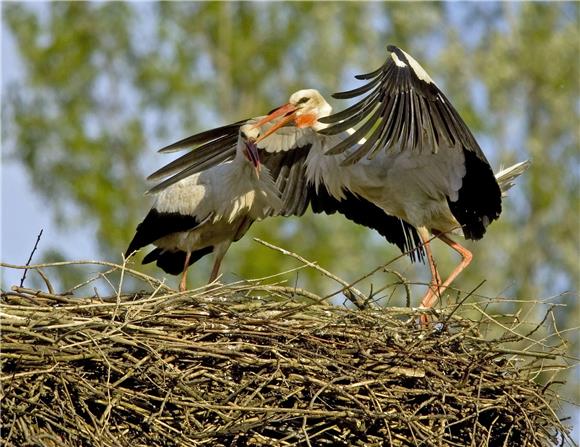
[{"x": 255, "y": 366}]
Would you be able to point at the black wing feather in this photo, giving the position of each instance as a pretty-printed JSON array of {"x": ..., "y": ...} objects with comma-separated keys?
[
  {"x": 157, "y": 225},
  {"x": 214, "y": 146},
  {"x": 288, "y": 170},
  {"x": 363, "y": 212},
  {"x": 417, "y": 101},
  {"x": 209, "y": 151},
  {"x": 204, "y": 137},
  {"x": 479, "y": 201},
  {"x": 228, "y": 153}
]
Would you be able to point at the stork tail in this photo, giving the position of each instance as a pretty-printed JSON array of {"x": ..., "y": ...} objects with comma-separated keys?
[{"x": 505, "y": 178}]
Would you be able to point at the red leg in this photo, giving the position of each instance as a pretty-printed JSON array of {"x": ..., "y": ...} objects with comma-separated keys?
[
  {"x": 435, "y": 283},
  {"x": 430, "y": 298},
  {"x": 216, "y": 266},
  {"x": 183, "y": 283}
]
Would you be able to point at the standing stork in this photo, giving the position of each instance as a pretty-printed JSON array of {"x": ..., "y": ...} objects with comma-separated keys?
[{"x": 207, "y": 211}]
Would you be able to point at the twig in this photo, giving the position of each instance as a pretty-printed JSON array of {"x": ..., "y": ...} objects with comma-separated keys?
[
  {"x": 291, "y": 291},
  {"x": 30, "y": 257},
  {"x": 541, "y": 323},
  {"x": 357, "y": 298},
  {"x": 134, "y": 273},
  {"x": 405, "y": 283},
  {"x": 460, "y": 303},
  {"x": 46, "y": 281}
]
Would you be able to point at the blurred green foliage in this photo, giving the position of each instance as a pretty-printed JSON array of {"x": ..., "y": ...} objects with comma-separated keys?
[{"x": 106, "y": 83}]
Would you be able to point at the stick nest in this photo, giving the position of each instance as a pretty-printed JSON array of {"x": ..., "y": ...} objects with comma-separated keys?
[{"x": 252, "y": 365}]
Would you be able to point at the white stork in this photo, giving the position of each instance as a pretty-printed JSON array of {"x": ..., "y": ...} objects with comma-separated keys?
[
  {"x": 207, "y": 211},
  {"x": 401, "y": 161},
  {"x": 411, "y": 155}
]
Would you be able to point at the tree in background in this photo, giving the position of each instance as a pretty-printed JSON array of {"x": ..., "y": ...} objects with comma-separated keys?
[{"x": 105, "y": 83}]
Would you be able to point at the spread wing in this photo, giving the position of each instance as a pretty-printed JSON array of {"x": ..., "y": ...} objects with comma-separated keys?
[
  {"x": 283, "y": 153},
  {"x": 403, "y": 110}
]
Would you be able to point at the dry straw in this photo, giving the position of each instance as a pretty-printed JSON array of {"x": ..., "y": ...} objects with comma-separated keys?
[{"x": 252, "y": 364}]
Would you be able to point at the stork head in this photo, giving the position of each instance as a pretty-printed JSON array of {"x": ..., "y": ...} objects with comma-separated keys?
[
  {"x": 310, "y": 105},
  {"x": 304, "y": 108},
  {"x": 248, "y": 147}
]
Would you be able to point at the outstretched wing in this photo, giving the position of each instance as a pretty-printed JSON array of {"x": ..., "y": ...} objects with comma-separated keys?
[
  {"x": 363, "y": 212},
  {"x": 403, "y": 110}
]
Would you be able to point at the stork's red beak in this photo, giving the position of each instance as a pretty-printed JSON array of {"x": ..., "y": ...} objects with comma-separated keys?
[
  {"x": 252, "y": 154},
  {"x": 287, "y": 112}
]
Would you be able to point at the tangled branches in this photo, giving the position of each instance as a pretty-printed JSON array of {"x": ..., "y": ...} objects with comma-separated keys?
[{"x": 260, "y": 365}]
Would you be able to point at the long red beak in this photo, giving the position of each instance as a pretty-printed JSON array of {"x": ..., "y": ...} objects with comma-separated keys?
[{"x": 287, "y": 112}]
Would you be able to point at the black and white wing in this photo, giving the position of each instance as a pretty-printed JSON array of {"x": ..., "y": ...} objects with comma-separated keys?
[{"x": 403, "y": 110}]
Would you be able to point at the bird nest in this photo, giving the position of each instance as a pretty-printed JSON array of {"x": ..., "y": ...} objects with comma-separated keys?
[{"x": 261, "y": 365}]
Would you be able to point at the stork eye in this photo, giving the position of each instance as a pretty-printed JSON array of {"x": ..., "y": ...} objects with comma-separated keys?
[
  {"x": 302, "y": 100},
  {"x": 243, "y": 134}
]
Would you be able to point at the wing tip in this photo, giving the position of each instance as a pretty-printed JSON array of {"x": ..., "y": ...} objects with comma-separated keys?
[
  {"x": 170, "y": 148},
  {"x": 341, "y": 95}
]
